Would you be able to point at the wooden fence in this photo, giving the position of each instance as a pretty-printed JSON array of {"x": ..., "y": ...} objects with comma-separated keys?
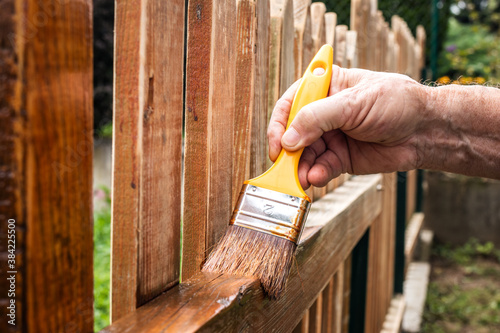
[{"x": 195, "y": 83}]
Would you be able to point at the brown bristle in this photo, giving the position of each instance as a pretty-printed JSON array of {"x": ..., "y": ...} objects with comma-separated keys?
[{"x": 251, "y": 253}]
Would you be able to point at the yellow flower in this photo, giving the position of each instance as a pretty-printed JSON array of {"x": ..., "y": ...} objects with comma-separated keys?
[
  {"x": 479, "y": 80},
  {"x": 443, "y": 80}
]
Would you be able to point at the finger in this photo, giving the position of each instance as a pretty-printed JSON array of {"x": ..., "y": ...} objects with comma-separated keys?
[
  {"x": 343, "y": 78},
  {"x": 321, "y": 116},
  {"x": 307, "y": 161},
  {"x": 279, "y": 119}
]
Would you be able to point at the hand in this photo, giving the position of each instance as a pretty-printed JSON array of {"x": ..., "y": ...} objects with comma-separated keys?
[{"x": 369, "y": 123}]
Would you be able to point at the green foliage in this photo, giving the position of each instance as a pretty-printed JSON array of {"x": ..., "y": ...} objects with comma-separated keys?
[
  {"x": 465, "y": 254},
  {"x": 106, "y": 131},
  {"x": 464, "y": 294},
  {"x": 472, "y": 50},
  {"x": 102, "y": 245}
]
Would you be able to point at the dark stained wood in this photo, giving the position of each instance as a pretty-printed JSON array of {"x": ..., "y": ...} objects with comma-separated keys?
[
  {"x": 46, "y": 148},
  {"x": 259, "y": 152},
  {"x": 244, "y": 96},
  {"x": 224, "y": 303},
  {"x": 147, "y": 151},
  {"x": 210, "y": 91}
]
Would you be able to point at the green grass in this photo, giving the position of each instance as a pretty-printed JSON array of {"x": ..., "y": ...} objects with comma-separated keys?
[
  {"x": 464, "y": 292},
  {"x": 102, "y": 244}
]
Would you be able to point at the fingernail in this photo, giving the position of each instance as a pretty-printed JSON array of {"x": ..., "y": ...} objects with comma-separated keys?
[{"x": 291, "y": 137}]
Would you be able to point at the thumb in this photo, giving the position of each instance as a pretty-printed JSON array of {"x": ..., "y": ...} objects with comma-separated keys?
[{"x": 319, "y": 117}]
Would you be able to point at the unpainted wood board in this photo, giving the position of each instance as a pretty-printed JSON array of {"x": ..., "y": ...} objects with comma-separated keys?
[
  {"x": 46, "y": 121},
  {"x": 318, "y": 10},
  {"x": 340, "y": 46},
  {"x": 328, "y": 306},
  {"x": 346, "y": 294},
  {"x": 211, "y": 302},
  {"x": 302, "y": 50},
  {"x": 210, "y": 89},
  {"x": 330, "y": 24},
  {"x": 421, "y": 40},
  {"x": 338, "y": 299},
  {"x": 316, "y": 314},
  {"x": 360, "y": 14},
  {"x": 259, "y": 153},
  {"x": 351, "y": 49},
  {"x": 411, "y": 193},
  {"x": 281, "y": 45},
  {"x": 244, "y": 96}
]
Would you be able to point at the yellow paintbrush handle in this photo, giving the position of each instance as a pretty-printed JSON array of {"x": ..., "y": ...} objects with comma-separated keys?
[{"x": 283, "y": 176}]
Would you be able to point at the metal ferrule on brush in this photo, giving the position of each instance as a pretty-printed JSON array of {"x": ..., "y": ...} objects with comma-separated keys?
[{"x": 270, "y": 212}]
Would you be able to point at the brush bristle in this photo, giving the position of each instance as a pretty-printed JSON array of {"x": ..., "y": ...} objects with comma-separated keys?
[{"x": 251, "y": 253}]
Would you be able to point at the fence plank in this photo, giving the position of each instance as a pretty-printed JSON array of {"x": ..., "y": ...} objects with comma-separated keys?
[
  {"x": 351, "y": 49},
  {"x": 210, "y": 88},
  {"x": 318, "y": 10},
  {"x": 316, "y": 313},
  {"x": 303, "y": 49},
  {"x": 328, "y": 306},
  {"x": 229, "y": 303},
  {"x": 244, "y": 98},
  {"x": 340, "y": 45},
  {"x": 147, "y": 152},
  {"x": 330, "y": 24},
  {"x": 258, "y": 147},
  {"x": 46, "y": 146}
]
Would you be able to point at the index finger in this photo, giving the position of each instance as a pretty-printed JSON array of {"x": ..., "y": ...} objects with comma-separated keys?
[{"x": 279, "y": 119}]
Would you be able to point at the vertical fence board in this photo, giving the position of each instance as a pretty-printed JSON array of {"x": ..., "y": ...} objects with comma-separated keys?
[
  {"x": 302, "y": 50},
  {"x": 147, "y": 152},
  {"x": 244, "y": 98},
  {"x": 316, "y": 315},
  {"x": 340, "y": 47},
  {"x": 330, "y": 24},
  {"x": 210, "y": 88},
  {"x": 328, "y": 306},
  {"x": 46, "y": 146},
  {"x": 258, "y": 148},
  {"x": 318, "y": 10}
]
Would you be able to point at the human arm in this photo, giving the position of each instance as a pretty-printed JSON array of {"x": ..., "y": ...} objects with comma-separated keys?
[{"x": 381, "y": 122}]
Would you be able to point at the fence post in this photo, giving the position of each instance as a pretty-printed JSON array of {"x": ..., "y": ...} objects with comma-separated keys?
[{"x": 46, "y": 145}]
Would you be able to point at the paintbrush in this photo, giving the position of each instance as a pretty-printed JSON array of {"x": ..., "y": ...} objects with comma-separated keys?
[{"x": 271, "y": 211}]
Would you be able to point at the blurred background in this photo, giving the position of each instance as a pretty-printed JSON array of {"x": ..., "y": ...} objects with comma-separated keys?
[{"x": 463, "y": 47}]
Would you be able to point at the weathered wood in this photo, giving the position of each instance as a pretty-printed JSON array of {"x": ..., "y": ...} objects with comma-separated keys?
[
  {"x": 316, "y": 315},
  {"x": 360, "y": 18},
  {"x": 281, "y": 45},
  {"x": 411, "y": 193},
  {"x": 228, "y": 303},
  {"x": 303, "y": 49},
  {"x": 210, "y": 89},
  {"x": 338, "y": 299},
  {"x": 259, "y": 152},
  {"x": 421, "y": 40},
  {"x": 394, "y": 317},
  {"x": 346, "y": 294},
  {"x": 46, "y": 147},
  {"x": 411, "y": 236},
  {"x": 351, "y": 49},
  {"x": 147, "y": 151},
  {"x": 340, "y": 47},
  {"x": 318, "y": 10},
  {"x": 330, "y": 24},
  {"x": 244, "y": 98},
  {"x": 328, "y": 306}
]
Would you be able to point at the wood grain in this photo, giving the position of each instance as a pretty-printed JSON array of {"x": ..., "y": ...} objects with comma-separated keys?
[
  {"x": 259, "y": 152},
  {"x": 351, "y": 49},
  {"x": 147, "y": 152},
  {"x": 244, "y": 96},
  {"x": 210, "y": 91},
  {"x": 316, "y": 315},
  {"x": 225, "y": 303},
  {"x": 360, "y": 18},
  {"x": 318, "y": 10},
  {"x": 340, "y": 46},
  {"x": 302, "y": 49},
  {"x": 46, "y": 147},
  {"x": 330, "y": 24}
]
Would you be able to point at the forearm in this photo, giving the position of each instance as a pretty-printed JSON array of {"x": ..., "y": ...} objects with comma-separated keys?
[{"x": 463, "y": 133}]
